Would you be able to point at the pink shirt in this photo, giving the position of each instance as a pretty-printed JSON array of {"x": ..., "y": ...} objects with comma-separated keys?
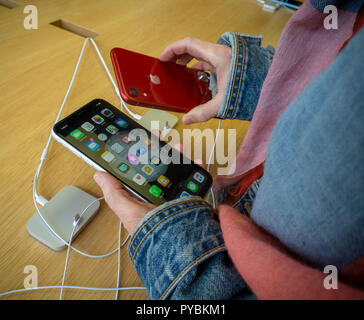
[{"x": 303, "y": 52}]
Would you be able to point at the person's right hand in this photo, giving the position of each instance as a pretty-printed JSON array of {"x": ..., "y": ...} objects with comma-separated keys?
[{"x": 211, "y": 57}]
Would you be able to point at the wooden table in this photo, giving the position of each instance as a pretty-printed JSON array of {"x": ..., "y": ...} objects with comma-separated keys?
[{"x": 35, "y": 69}]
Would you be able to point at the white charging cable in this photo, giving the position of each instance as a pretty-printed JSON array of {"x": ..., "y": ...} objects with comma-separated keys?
[
  {"x": 134, "y": 115},
  {"x": 63, "y": 286},
  {"x": 71, "y": 287},
  {"x": 41, "y": 200},
  {"x": 77, "y": 219}
]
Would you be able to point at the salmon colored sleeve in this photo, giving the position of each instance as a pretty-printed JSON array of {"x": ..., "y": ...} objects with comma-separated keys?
[{"x": 267, "y": 266}]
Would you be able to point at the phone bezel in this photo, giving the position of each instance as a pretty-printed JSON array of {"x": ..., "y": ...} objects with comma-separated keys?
[{"x": 97, "y": 166}]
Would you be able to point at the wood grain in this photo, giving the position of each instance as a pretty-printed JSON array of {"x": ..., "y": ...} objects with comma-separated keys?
[{"x": 35, "y": 69}]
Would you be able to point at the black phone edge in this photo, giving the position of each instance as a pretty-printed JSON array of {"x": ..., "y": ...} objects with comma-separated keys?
[{"x": 79, "y": 111}]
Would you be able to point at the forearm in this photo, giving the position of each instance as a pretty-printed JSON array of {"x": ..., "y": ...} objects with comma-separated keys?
[{"x": 179, "y": 253}]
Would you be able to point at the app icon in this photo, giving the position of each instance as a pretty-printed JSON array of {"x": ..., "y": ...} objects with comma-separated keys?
[
  {"x": 111, "y": 129},
  {"x": 155, "y": 191},
  {"x": 120, "y": 122},
  {"x": 77, "y": 134},
  {"x": 132, "y": 158},
  {"x": 192, "y": 186},
  {"x": 108, "y": 156},
  {"x": 140, "y": 150},
  {"x": 107, "y": 113},
  {"x": 163, "y": 181},
  {"x": 97, "y": 119},
  {"x": 147, "y": 170},
  {"x": 92, "y": 145},
  {"x": 102, "y": 136},
  {"x": 117, "y": 147},
  {"x": 155, "y": 160},
  {"x": 123, "y": 167},
  {"x": 125, "y": 139},
  {"x": 199, "y": 177},
  {"x": 87, "y": 126},
  {"x": 184, "y": 194},
  {"x": 139, "y": 179}
]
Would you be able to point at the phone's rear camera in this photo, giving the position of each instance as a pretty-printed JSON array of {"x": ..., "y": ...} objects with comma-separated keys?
[
  {"x": 203, "y": 76},
  {"x": 134, "y": 92}
]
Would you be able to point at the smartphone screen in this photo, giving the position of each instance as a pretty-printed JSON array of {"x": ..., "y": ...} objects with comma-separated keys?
[{"x": 148, "y": 166}]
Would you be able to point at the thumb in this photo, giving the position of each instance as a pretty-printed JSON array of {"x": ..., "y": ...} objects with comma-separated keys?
[
  {"x": 204, "y": 111},
  {"x": 114, "y": 193}
]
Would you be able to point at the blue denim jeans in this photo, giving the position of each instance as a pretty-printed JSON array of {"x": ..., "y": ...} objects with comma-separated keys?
[
  {"x": 246, "y": 201},
  {"x": 179, "y": 253}
]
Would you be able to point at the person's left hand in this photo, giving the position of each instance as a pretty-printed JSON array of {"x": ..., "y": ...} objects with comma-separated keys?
[{"x": 126, "y": 206}]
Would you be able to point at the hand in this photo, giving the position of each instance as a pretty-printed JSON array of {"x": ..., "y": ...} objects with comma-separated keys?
[
  {"x": 129, "y": 209},
  {"x": 211, "y": 57},
  {"x": 126, "y": 206}
]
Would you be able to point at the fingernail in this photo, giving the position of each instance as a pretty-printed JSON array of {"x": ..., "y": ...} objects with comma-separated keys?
[
  {"x": 98, "y": 178},
  {"x": 185, "y": 119}
]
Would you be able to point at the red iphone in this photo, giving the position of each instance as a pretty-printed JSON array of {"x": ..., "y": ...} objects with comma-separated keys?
[{"x": 147, "y": 81}]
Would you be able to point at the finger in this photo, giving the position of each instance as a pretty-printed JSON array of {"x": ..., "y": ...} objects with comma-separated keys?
[
  {"x": 115, "y": 194},
  {"x": 203, "y": 112},
  {"x": 201, "y": 50},
  {"x": 202, "y": 65},
  {"x": 184, "y": 59}
]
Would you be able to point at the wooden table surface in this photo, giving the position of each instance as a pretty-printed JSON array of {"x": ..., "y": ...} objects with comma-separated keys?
[{"x": 35, "y": 69}]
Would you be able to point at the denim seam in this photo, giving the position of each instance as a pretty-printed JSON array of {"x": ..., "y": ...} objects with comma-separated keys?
[
  {"x": 251, "y": 38},
  {"x": 231, "y": 90},
  {"x": 239, "y": 39},
  {"x": 170, "y": 215},
  {"x": 244, "y": 85},
  {"x": 200, "y": 258},
  {"x": 151, "y": 218}
]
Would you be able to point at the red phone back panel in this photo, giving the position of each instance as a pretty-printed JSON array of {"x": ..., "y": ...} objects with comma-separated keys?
[{"x": 147, "y": 81}]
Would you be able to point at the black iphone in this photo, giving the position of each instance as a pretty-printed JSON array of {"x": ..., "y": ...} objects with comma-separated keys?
[{"x": 110, "y": 141}]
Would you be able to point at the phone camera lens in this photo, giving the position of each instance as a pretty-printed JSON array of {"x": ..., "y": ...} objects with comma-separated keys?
[
  {"x": 134, "y": 92},
  {"x": 203, "y": 76}
]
